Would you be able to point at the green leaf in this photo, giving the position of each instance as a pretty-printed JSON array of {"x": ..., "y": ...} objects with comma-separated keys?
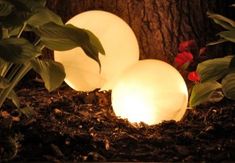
[
  {"x": 14, "y": 31},
  {"x": 28, "y": 5},
  {"x": 223, "y": 21},
  {"x": 3, "y": 67},
  {"x": 202, "y": 92},
  {"x": 17, "y": 50},
  {"x": 52, "y": 72},
  {"x": 95, "y": 42},
  {"x": 24, "y": 9},
  {"x": 214, "y": 69},
  {"x": 232, "y": 63},
  {"x": 185, "y": 66},
  {"x": 224, "y": 25},
  {"x": 14, "y": 98},
  {"x": 4, "y": 33},
  {"x": 15, "y": 19},
  {"x": 3, "y": 83},
  {"x": 228, "y": 86},
  {"x": 61, "y": 38},
  {"x": 43, "y": 16},
  {"x": 228, "y": 35},
  {"x": 217, "y": 42},
  {"x": 5, "y": 8},
  {"x": 216, "y": 96}
]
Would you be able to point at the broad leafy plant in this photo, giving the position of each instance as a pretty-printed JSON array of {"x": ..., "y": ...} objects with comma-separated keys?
[
  {"x": 18, "y": 55},
  {"x": 217, "y": 75}
]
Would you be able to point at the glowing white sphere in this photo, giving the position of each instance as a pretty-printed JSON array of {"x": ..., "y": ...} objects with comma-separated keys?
[
  {"x": 120, "y": 45},
  {"x": 150, "y": 91}
]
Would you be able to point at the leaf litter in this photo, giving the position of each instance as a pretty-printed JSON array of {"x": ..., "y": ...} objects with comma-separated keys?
[{"x": 77, "y": 126}]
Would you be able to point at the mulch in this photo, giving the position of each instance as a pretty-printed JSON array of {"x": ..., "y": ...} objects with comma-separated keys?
[{"x": 66, "y": 125}]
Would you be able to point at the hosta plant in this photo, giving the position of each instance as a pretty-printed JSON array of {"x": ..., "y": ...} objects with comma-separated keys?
[
  {"x": 217, "y": 75},
  {"x": 18, "y": 55}
]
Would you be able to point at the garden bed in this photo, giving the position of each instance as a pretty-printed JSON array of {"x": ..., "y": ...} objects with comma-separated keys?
[{"x": 74, "y": 126}]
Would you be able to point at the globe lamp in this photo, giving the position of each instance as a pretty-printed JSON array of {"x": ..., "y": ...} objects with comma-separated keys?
[
  {"x": 119, "y": 43},
  {"x": 150, "y": 91}
]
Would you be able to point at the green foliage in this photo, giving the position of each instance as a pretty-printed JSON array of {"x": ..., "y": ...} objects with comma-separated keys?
[
  {"x": 202, "y": 92},
  {"x": 228, "y": 85},
  {"x": 214, "y": 69},
  {"x": 219, "y": 73},
  {"x": 17, "y": 50},
  {"x": 57, "y": 37},
  {"x": 5, "y": 8},
  {"x": 36, "y": 21},
  {"x": 18, "y": 55},
  {"x": 228, "y": 35},
  {"x": 13, "y": 96},
  {"x": 221, "y": 20},
  {"x": 3, "y": 83},
  {"x": 51, "y": 72},
  {"x": 227, "y": 24}
]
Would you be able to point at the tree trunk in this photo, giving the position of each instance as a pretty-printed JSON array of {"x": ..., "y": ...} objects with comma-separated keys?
[{"x": 158, "y": 24}]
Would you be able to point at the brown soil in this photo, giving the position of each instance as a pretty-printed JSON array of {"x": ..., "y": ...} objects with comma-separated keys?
[{"x": 73, "y": 126}]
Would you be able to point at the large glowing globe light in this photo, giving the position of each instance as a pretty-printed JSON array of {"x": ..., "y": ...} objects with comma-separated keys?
[
  {"x": 150, "y": 91},
  {"x": 120, "y": 45}
]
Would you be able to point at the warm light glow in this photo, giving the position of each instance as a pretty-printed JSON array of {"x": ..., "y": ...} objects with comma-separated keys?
[
  {"x": 150, "y": 91},
  {"x": 120, "y": 45}
]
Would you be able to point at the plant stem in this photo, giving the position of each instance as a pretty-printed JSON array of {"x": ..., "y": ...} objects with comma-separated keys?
[
  {"x": 21, "y": 30},
  {"x": 21, "y": 73},
  {"x": 37, "y": 42},
  {"x": 13, "y": 72},
  {"x": 5, "y": 69}
]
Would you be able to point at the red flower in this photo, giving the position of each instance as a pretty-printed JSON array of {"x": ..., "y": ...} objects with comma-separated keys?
[
  {"x": 182, "y": 58},
  {"x": 186, "y": 45},
  {"x": 194, "y": 77}
]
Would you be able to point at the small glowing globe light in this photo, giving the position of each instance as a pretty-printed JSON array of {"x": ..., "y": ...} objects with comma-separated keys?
[
  {"x": 119, "y": 43},
  {"x": 150, "y": 91}
]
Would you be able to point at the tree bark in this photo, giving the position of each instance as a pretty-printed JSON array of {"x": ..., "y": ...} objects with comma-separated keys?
[{"x": 159, "y": 25}]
